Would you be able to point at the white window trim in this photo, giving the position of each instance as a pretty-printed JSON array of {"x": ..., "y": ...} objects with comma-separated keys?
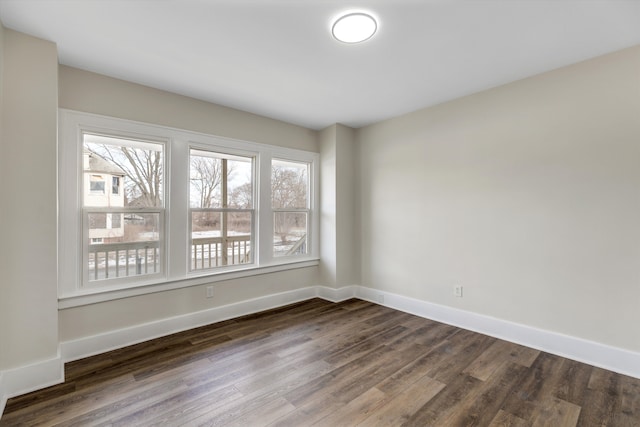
[{"x": 176, "y": 272}]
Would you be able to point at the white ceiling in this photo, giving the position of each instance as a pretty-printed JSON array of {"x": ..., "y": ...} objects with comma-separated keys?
[{"x": 277, "y": 57}]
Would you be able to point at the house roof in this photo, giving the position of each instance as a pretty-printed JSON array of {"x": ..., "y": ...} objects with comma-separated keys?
[{"x": 100, "y": 165}]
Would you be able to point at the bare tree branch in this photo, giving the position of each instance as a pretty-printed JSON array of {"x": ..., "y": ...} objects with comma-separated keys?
[{"x": 144, "y": 172}]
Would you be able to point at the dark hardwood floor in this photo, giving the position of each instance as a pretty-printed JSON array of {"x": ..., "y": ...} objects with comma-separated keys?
[{"x": 324, "y": 364}]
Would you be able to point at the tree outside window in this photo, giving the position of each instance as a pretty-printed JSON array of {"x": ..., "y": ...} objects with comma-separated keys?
[
  {"x": 290, "y": 204},
  {"x": 221, "y": 208}
]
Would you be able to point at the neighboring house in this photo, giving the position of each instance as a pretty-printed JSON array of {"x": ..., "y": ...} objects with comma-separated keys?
[{"x": 103, "y": 183}]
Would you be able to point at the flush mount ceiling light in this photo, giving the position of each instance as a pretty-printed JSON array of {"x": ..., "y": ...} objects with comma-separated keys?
[{"x": 354, "y": 27}]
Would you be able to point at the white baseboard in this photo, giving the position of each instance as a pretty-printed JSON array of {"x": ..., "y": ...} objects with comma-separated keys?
[
  {"x": 3, "y": 396},
  {"x": 25, "y": 379},
  {"x": 590, "y": 352},
  {"x": 336, "y": 294},
  {"x": 596, "y": 354},
  {"x": 37, "y": 376},
  {"x": 96, "y": 344},
  {"x": 32, "y": 377}
]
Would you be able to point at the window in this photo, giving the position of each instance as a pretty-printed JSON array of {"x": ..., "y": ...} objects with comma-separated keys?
[
  {"x": 290, "y": 204},
  {"x": 116, "y": 220},
  {"x": 115, "y": 185},
  {"x": 221, "y": 209},
  {"x": 96, "y": 184},
  {"x": 230, "y": 208},
  {"x": 132, "y": 248},
  {"x": 97, "y": 221}
]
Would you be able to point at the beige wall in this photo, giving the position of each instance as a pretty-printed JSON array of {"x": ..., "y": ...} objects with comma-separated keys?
[
  {"x": 86, "y": 321},
  {"x": 28, "y": 315},
  {"x": 528, "y": 195},
  {"x": 1, "y": 67},
  {"x": 94, "y": 93},
  {"x": 347, "y": 247},
  {"x": 339, "y": 250},
  {"x": 89, "y": 92},
  {"x": 328, "y": 206},
  {"x": 4, "y": 309}
]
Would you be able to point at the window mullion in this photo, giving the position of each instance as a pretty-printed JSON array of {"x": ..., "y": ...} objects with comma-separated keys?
[
  {"x": 224, "y": 229},
  {"x": 176, "y": 209},
  {"x": 265, "y": 211}
]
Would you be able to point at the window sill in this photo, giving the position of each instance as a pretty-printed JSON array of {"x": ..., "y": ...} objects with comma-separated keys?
[{"x": 93, "y": 296}]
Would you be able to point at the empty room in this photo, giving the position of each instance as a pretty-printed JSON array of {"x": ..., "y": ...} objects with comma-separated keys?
[{"x": 319, "y": 213}]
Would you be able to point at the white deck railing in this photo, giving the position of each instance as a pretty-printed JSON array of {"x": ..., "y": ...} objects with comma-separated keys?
[
  {"x": 112, "y": 260},
  {"x": 210, "y": 252}
]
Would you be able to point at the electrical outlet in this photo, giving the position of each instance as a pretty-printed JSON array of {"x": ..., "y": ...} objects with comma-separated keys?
[
  {"x": 457, "y": 291},
  {"x": 209, "y": 291}
]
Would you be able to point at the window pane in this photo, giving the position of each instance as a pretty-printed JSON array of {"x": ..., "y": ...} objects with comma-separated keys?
[
  {"x": 96, "y": 184},
  {"x": 123, "y": 244},
  {"x": 208, "y": 189},
  {"x": 97, "y": 222},
  {"x": 115, "y": 185},
  {"x": 116, "y": 220},
  {"x": 289, "y": 184},
  {"x": 290, "y": 233},
  {"x": 135, "y": 166},
  {"x": 220, "y": 238}
]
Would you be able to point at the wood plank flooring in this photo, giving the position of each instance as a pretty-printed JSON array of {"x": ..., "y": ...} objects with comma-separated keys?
[{"x": 317, "y": 363}]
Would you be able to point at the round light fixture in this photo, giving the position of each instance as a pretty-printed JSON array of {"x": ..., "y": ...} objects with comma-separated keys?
[{"x": 354, "y": 27}]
